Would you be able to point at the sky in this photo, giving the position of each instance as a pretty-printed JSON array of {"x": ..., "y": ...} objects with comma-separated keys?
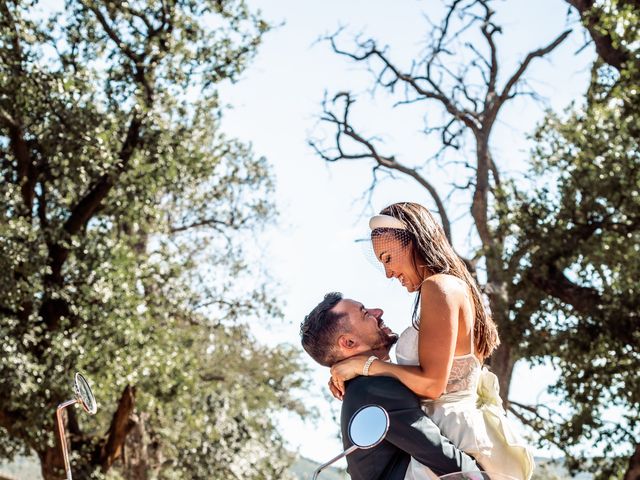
[{"x": 312, "y": 250}]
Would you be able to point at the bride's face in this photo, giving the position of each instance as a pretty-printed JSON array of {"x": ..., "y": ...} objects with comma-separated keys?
[{"x": 398, "y": 261}]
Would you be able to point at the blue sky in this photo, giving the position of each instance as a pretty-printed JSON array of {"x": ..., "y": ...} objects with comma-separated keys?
[{"x": 276, "y": 107}]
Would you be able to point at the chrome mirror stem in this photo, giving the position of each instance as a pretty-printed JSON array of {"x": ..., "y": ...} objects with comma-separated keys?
[
  {"x": 62, "y": 436},
  {"x": 352, "y": 448}
]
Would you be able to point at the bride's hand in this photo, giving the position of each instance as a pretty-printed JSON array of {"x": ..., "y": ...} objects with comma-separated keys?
[
  {"x": 334, "y": 390},
  {"x": 344, "y": 371}
]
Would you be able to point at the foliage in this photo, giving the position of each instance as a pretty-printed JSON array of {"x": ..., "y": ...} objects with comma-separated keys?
[
  {"x": 588, "y": 221},
  {"x": 124, "y": 214}
]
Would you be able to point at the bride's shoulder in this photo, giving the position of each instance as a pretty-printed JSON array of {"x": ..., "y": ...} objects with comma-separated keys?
[{"x": 444, "y": 284}]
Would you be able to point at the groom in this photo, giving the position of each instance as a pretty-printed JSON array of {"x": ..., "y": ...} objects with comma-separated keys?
[{"x": 338, "y": 328}]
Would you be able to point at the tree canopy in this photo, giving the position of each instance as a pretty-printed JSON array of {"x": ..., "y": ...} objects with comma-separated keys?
[
  {"x": 124, "y": 215},
  {"x": 578, "y": 238}
]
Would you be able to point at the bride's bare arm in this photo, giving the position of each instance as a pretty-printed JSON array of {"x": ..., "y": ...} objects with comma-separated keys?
[{"x": 442, "y": 299}]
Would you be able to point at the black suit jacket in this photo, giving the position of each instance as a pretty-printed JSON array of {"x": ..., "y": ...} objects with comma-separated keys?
[{"x": 411, "y": 434}]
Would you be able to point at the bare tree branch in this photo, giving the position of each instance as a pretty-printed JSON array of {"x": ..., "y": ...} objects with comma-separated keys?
[
  {"x": 8, "y": 312},
  {"x": 207, "y": 222},
  {"x": 86, "y": 207},
  {"x": 489, "y": 29},
  {"x": 138, "y": 14},
  {"x": 113, "y": 35},
  {"x": 590, "y": 14},
  {"x": 494, "y": 171},
  {"x": 432, "y": 92},
  {"x": 541, "y": 52},
  {"x": 26, "y": 172},
  {"x": 552, "y": 280},
  {"x": 549, "y": 278},
  {"x": 343, "y": 127}
]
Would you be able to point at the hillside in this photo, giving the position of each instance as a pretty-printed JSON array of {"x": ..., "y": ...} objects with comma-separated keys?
[{"x": 27, "y": 468}]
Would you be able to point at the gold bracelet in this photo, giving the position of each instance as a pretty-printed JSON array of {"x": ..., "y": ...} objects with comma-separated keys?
[{"x": 367, "y": 364}]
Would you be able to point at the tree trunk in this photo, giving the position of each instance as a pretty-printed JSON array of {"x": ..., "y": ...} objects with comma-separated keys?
[
  {"x": 51, "y": 464},
  {"x": 502, "y": 360},
  {"x": 633, "y": 472},
  {"x": 142, "y": 458},
  {"x": 121, "y": 425},
  {"x": 135, "y": 456},
  {"x": 501, "y": 363}
]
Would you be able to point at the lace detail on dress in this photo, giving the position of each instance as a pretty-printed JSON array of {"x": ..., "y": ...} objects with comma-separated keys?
[
  {"x": 470, "y": 414},
  {"x": 464, "y": 374}
]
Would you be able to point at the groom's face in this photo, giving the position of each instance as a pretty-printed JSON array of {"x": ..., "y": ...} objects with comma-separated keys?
[{"x": 364, "y": 329}]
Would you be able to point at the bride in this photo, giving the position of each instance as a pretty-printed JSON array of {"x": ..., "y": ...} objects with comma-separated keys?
[{"x": 440, "y": 356}]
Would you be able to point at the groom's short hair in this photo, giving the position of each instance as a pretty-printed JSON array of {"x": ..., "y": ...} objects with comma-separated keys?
[{"x": 319, "y": 329}]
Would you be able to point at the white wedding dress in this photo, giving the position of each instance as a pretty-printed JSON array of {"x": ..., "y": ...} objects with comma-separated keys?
[{"x": 470, "y": 414}]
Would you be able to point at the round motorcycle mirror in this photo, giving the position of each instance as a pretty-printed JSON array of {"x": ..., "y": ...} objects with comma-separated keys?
[
  {"x": 85, "y": 395},
  {"x": 368, "y": 426}
]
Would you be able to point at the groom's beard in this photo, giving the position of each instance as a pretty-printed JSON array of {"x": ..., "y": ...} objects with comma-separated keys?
[{"x": 385, "y": 340}]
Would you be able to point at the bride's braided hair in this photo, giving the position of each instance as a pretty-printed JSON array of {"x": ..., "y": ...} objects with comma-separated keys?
[{"x": 438, "y": 256}]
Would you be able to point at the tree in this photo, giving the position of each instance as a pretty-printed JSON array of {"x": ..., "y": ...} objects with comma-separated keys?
[
  {"x": 544, "y": 255},
  {"x": 589, "y": 225},
  {"x": 468, "y": 109},
  {"x": 124, "y": 215}
]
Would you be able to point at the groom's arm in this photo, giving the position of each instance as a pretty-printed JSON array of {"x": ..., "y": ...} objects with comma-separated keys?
[{"x": 410, "y": 429}]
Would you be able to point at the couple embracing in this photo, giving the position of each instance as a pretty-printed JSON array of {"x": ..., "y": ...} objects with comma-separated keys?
[{"x": 445, "y": 412}]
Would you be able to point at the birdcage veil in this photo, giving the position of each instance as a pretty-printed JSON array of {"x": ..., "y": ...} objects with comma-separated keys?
[{"x": 386, "y": 240}]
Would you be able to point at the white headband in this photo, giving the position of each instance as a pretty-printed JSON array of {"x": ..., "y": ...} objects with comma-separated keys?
[{"x": 385, "y": 221}]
